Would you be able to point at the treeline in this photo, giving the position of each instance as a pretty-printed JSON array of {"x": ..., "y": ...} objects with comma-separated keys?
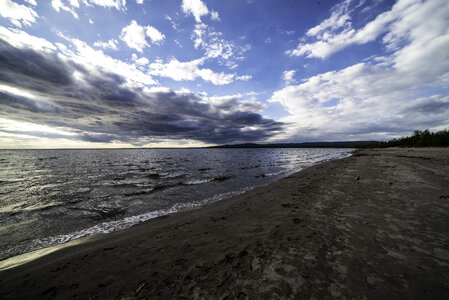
[
  {"x": 344, "y": 144},
  {"x": 418, "y": 139}
]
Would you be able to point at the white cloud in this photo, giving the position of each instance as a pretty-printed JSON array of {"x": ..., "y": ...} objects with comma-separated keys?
[
  {"x": 155, "y": 35},
  {"x": 226, "y": 52},
  {"x": 32, "y": 2},
  {"x": 172, "y": 22},
  {"x": 139, "y": 1},
  {"x": 177, "y": 42},
  {"x": 70, "y": 5},
  {"x": 198, "y": 34},
  {"x": 96, "y": 62},
  {"x": 21, "y": 39},
  {"x": 287, "y": 77},
  {"x": 18, "y": 14},
  {"x": 244, "y": 77},
  {"x": 135, "y": 35},
  {"x": 338, "y": 19},
  {"x": 383, "y": 94},
  {"x": 74, "y": 3},
  {"x": 191, "y": 70},
  {"x": 215, "y": 16},
  {"x": 195, "y": 7},
  {"x": 58, "y": 5},
  {"x": 177, "y": 70},
  {"x": 111, "y": 44},
  {"x": 143, "y": 61},
  {"x": 117, "y": 4},
  {"x": 336, "y": 32},
  {"x": 215, "y": 78}
]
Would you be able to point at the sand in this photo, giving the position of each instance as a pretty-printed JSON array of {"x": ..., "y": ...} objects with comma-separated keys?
[{"x": 371, "y": 226}]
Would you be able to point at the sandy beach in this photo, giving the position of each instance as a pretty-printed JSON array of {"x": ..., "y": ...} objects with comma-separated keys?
[{"x": 371, "y": 226}]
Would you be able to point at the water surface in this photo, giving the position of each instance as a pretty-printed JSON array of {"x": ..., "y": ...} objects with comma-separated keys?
[{"x": 49, "y": 197}]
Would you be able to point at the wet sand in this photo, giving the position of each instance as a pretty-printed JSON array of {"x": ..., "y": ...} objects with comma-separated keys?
[{"x": 374, "y": 225}]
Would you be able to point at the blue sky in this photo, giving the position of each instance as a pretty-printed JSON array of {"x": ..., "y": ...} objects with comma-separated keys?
[{"x": 154, "y": 73}]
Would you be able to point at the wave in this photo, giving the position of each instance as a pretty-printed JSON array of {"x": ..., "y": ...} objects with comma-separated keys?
[{"x": 111, "y": 226}]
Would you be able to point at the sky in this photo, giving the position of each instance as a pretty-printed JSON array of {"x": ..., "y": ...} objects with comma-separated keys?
[{"x": 186, "y": 73}]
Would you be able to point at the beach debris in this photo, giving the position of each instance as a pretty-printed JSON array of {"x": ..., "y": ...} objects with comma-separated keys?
[{"x": 139, "y": 289}]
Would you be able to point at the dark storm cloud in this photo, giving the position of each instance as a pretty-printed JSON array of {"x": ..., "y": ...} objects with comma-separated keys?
[
  {"x": 103, "y": 109},
  {"x": 430, "y": 106}
]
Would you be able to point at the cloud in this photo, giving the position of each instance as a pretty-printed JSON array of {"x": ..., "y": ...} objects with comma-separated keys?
[
  {"x": 20, "y": 39},
  {"x": 155, "y": 35},
  {"x": 117, "y": 4},
  {"x": 173, "y": 24},
  {"x": 196, "y": 8},
  {"x": 74, "y": 3},
  {"x": 216, "y": 78},
  {"x": 338, "y": 19},
  {"x": 139, "y": 1},
  {"x": 287, "y": 77},
  {"x": 143, "y": 61},
  {"x": 18, "y": 14},
  {"x": 135, "y": 35},
  {"x": 215, "y": 16},
  {"x": 337, "y": 33},
  {"x": 111, "y": 44},
  {"x": 191, "y": 70},
  {"x": 97, "y": 104},
  {"x": 71, "y": 5},
  {"x": 58, "y": 5},
  {"x": 382, "y": 95},
  {"x": 215, "y": 47}
]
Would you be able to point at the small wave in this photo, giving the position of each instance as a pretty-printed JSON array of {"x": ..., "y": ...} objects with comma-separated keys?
[
  {"x": 47, "y": 158},
  {"x": 250, "y": 167},
  {"x": 140, "y": 192},
  {"x": 84, "y": 190},
  {"x": 111, "y": 226},
  {"x": 32, "y": 208},
  {"x": 154, "y": 176},
  {"x": 198, "y": 181},
  {"x": 173, "y": 175},
  {"x": 222, "y": 178}
]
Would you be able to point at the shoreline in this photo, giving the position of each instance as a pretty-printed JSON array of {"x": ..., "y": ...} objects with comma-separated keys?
[{"x": 374, "y": 224}]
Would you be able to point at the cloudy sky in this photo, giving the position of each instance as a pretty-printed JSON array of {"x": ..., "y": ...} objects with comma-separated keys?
[{"x": 156, "y": 73}]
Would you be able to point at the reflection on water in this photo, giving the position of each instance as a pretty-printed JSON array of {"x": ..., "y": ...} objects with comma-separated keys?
[{"x": 53, "y": 196}]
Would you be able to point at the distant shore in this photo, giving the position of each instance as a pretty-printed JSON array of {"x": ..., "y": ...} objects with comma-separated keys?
[{"x": 374, "y": 225}]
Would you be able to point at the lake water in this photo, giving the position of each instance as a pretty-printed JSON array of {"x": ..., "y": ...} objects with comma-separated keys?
[{"x": 49, "y": 197}]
